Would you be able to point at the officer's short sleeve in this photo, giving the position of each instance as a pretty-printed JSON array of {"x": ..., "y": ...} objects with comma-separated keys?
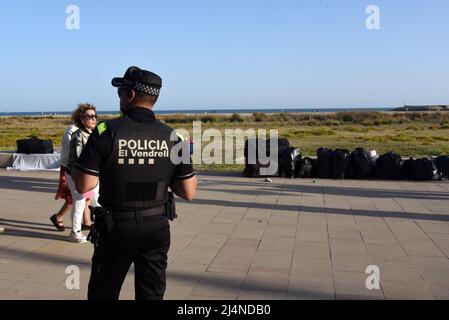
[
  {"x": 90, "y": 159},
  {"x": 183, "y": 171}
]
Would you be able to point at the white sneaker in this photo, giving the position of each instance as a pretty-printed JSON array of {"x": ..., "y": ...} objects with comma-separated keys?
[
  {"x": 2, "y": 229},
  {"x": 77, "y": 237}
]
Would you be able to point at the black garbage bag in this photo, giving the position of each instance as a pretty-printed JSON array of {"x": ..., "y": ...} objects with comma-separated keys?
[
  {"x": 297, "y": 168},
  {"x": 388, "y": 166},
  {"x": 34, "y": 145},
  {"x": 360, "y": 164},
  {"x": 284, "y": 155},
  {"x": 289, "y": 161},
  {"x": 324, "y": 162},
  {"x": 283, "y": 146},
  {"x": 442, "y": 164},
  {"x": 340, "y": 163},
  {"x": 407, "y": 169},
  {"x": 424, "y": 169},
  {"x": 254, "y": 143},
  {"x": 306, "y": 168},
  {"x": 251, "y": 170}
]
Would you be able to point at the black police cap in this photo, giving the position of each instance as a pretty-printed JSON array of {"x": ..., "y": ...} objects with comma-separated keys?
[{"x": 140, "y": 80}]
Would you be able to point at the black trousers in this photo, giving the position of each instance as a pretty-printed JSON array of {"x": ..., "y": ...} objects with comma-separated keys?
[{"x": 142, "y": 241}]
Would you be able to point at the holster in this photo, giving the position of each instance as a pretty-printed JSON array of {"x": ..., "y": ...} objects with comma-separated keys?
[
  {"x": 170, "y": 207},
  {"x": 103, "y": 218},
  {"x": 103, "y": 223}
]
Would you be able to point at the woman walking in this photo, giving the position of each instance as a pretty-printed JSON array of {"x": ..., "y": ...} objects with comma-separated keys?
[
  {"x": 63, "y": 191},
  {"x": 85, "y": 118}
]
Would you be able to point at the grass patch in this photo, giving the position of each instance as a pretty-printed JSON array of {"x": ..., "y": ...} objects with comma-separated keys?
[{"x": 409, "y": 134}]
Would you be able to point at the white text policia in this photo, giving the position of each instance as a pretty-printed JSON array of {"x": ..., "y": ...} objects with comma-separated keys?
[{"x": 143, "y": 148}]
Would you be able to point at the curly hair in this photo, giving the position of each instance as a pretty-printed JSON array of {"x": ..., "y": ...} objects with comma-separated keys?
[{"x": 80, "y": 112}]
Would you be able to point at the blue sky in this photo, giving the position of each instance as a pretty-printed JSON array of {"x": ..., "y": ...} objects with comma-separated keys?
[{"x": 226, "y": 54}]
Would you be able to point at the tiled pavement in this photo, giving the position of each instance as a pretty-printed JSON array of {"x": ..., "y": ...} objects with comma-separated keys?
[{"x": 249, "y": 239}]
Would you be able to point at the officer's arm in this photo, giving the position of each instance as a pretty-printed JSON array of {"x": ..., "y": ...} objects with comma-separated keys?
[
  {"x": 84, "y": 182},
  {"x": 185, "y": 189}
]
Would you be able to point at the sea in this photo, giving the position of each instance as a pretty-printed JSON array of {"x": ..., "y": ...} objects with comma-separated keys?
[{"x": 203, "y": 111}]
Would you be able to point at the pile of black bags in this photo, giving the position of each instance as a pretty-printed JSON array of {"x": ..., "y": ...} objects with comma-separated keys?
[
  {"x": 361, "y": 164},
  {"x": 284, "y": 151},
  {"x": 442, "y": 165},
  {"x": 389, "y": 166},
  {"x": 332, "y": 163},
  {"x": 306, "y": 168},
  {"x": 288, "y": 162},
  {"x": 340, "y": 163},
  {"x": 343, "y": 164},
  {"x": 34, "y": 145}
]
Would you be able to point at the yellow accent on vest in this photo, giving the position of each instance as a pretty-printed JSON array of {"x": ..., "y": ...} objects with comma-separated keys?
[{"x": 101, "y": 127}]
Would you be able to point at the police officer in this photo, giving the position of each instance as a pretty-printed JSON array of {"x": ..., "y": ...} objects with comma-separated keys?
[{"x": 130, "y": 158}]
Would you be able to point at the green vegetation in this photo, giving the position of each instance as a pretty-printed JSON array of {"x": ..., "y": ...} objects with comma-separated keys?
[{"x": 407, "y": 133}]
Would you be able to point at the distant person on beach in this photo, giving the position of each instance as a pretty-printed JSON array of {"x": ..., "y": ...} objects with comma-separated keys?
[{"x": 85, "y": 118}]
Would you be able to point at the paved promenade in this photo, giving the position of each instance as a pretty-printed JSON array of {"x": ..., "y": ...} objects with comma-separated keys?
[{"x": 249, "y": 239}]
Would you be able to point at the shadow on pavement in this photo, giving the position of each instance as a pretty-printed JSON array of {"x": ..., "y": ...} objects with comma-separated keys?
[
  {"x": 50, "y": 186},
  {"x": 39, "y": 257},
  {"x": 190, "y": 279},
  {"x": 274, "y": 189},
  {"x": 27, "y": 225},
  {"x": 29, "y": 184},
  {"x": 32, "y": 234},
  {"x": 302, "y": 208}
]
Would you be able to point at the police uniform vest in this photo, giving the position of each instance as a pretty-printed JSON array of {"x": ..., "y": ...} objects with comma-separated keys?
[{"x": 138, "y": 172}]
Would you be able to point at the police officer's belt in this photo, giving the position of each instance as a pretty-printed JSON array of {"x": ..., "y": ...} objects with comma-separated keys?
[{"x": 138, "y": 214}]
